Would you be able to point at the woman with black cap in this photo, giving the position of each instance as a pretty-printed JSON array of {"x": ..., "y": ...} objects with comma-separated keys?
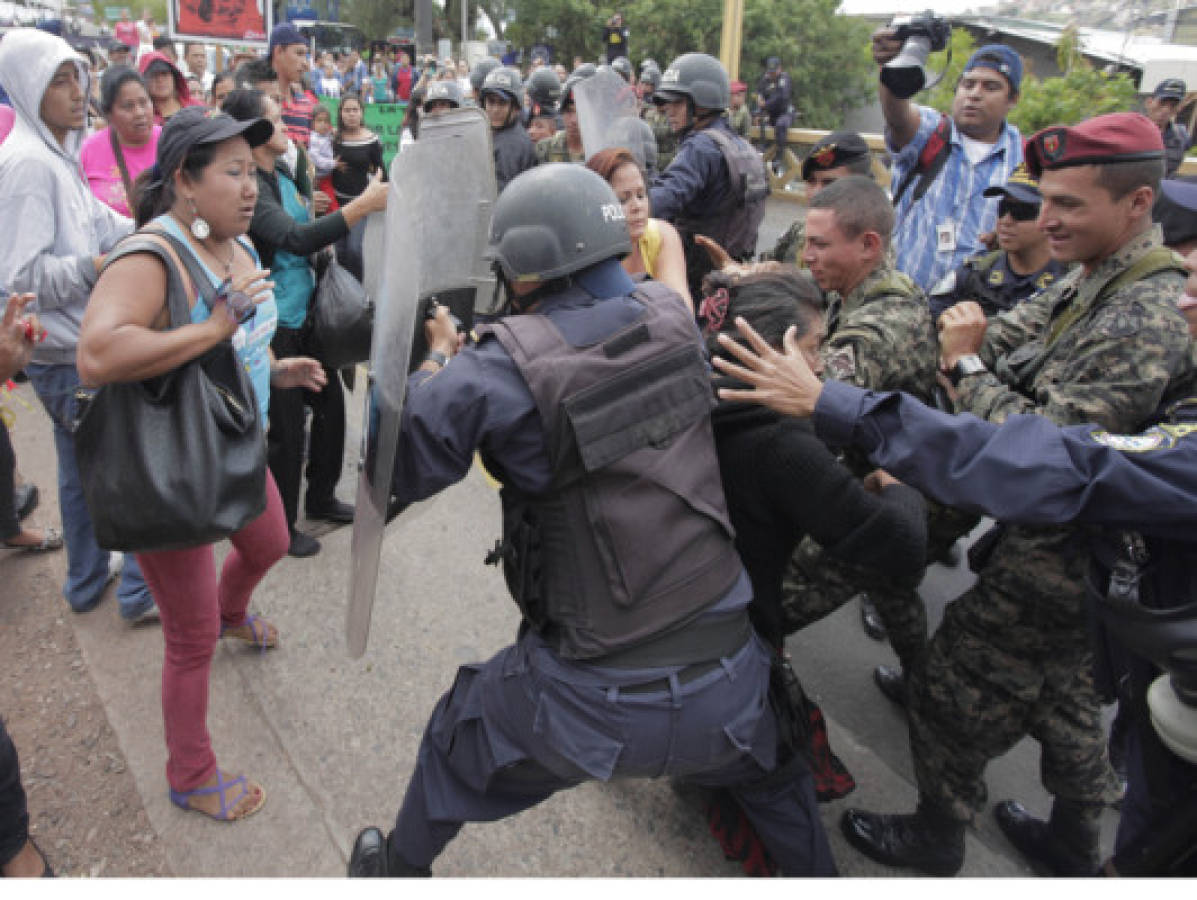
[
  {"x": 114, "y": 156},
  {"x": 201, "y": 192}
]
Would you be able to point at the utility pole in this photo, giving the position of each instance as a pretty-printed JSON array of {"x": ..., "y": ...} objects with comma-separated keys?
[
  {"x": 424, "y": 27},
  {"x": 465, "y": 28},
  {"x": 733, "y": 31}
]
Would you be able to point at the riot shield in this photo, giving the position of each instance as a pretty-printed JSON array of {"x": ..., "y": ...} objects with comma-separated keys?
[
  {"x": 608, "y": 113},
  {"x": 442, "y": 187}
]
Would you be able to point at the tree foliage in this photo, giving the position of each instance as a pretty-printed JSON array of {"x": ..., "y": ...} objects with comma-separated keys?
[
  {"x": 1080, "y": 93},
  {"x": 825, "y": 54}
]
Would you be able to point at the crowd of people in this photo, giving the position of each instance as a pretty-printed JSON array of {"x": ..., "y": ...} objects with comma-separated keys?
[{"x": 996, "y": 274}]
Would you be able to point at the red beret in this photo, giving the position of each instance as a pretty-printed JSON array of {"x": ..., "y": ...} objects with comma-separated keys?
[{"x": 1116, "y": 137}]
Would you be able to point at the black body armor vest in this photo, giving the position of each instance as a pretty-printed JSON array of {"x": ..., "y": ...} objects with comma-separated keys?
[{"x": 633, "y": 540}]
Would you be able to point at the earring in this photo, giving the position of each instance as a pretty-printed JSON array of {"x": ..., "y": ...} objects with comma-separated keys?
[{"x": 199, "y": 227}]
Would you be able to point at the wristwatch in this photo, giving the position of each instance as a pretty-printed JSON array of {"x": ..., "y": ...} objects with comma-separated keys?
[
  {"x": 965, "y": 366},
  {"x": 437, "y": 357}
]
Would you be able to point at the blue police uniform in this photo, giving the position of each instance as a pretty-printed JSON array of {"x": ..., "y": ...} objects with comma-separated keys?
[
  {"x": 988, "y": 279},
  {"x": 1029, "y": 470},
  {"x": 514, "y": 730},
  {"x": 696, "y": 181}
]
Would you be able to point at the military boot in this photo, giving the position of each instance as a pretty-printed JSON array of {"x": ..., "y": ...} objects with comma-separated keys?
[
  {"x": 1066, "y": 844},
  {"x": 375, "y": 856},
  {"x": 927, "y": 841}
]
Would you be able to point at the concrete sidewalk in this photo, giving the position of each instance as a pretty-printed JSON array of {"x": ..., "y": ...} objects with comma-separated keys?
[{"x": 333, "y": 739}]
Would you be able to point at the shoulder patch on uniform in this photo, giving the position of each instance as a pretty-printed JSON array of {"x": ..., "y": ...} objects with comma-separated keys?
[
  {"x": 1044, "y": 280},
  {"x": 1119, "y": 322},
  {"x": 945, "y": 285},
  {"x": 996, "y": 277},
  {"x": 1152, "y": 439},
  {"x": 841, "y": 362}
]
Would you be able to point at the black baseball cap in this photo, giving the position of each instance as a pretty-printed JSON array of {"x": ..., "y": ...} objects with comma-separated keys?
[{"x": 194, "y": 126}]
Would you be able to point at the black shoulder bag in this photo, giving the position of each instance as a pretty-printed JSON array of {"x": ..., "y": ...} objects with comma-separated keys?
[{"x": 178, "y": 460}]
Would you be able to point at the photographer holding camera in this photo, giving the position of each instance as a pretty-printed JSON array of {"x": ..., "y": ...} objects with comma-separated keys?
[{"x": 943, "y": 163}]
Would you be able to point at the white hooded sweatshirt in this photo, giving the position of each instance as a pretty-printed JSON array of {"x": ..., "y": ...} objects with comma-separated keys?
[{"x": 54, "y": 224}]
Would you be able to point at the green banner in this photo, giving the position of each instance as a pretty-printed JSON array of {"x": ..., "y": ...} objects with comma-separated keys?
[{"x": 384, "y": 119}]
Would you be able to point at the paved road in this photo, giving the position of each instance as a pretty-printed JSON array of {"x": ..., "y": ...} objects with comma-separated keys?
[{"x": 333, "y": 739}]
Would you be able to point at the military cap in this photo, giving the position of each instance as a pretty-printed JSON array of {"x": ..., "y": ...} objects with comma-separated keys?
[
  {"x": 1176, "y": 211},
  {"x": 1020, "y": 187},
  {"x": 1115, "y": 137},
  {"x": 1169, "y": 89},
  {"x": 837, "y": 149}
]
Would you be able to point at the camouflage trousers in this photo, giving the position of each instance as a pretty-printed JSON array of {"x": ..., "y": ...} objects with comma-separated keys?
[
  {"x": 1012, "y": 657},
  {"x": 817, "y": 584}
]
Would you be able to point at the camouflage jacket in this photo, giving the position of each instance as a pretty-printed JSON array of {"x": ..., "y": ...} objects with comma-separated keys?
[
  {"x": 554, "y": 149},
  {"x": 666, "y": 139},
  {"x": 880, "y": 336},
  {"x": 740, "y": 121},
  {"x": 1081, "y": 351}
]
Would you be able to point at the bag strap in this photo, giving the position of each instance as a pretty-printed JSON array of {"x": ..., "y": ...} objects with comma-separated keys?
[
  {"x": 120, "y": 162},
  {"x": 199, "y": 277},
  {"x": 176, "y": 301},
  {"x": 930, "y": 163}
]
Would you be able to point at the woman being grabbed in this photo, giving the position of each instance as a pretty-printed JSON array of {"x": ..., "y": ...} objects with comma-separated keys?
[
  {"x": 656, "y": 245},
  {"x": 201, "y": 191},
  {"x": 285, "y": 234}
]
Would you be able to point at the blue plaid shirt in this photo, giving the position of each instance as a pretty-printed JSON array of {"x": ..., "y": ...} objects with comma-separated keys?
[{"x": 955, "y": 196}]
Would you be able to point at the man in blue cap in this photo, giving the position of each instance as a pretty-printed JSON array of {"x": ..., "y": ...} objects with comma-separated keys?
[
  {"x": 1161, "y": 107},
  {"x": 942, "y": 162},
  {"x": 288, "y": 55}
]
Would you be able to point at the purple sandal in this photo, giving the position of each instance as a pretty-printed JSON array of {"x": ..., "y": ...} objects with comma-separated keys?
[
  {"x": 182, "y": 799},
  {"x": 260, "y": 638}
]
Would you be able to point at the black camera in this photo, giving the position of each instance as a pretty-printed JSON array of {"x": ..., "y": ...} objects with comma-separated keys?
[{"x": 905, "y": 75}]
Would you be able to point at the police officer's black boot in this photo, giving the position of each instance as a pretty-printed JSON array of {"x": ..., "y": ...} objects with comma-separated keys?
[
  {"x": 891, "y": 681},
  {"x": 1066, "y": 844},
  {"x": 928, "y": 840},
  {"x": 375, "y": 856}
]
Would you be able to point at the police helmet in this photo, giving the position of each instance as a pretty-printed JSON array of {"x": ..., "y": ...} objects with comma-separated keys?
[
  {"x": 699, "y": 77},
  {"x": 556, "y": 219},
  {"x": 448, "y": 90},
  {"x": 567, "y": 89},
  {"x": 480, "y": 71},
  {"x": 623, "y": 66},
  {"x": 506, "y": 83},
  {"x": 649, "y": 63},
  {"x": 584, "y": 71},
  {"x": 544, "y": 88},
  {"x": 651, "y": 77}
]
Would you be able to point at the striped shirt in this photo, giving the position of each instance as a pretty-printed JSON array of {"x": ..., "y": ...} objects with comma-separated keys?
[
  {"x": 954, "y": 199},
  {"x": 297, "y": 114}
]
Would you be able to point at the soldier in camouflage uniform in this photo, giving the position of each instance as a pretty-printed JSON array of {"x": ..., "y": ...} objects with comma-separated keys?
[
  {"x": 838, "y": 155},
  {"x": 738, "y": 116},
  {"x": 879, "y": 336},
  {"x": 566, "y": 144},
  {"x": 1103, "y": 344}
]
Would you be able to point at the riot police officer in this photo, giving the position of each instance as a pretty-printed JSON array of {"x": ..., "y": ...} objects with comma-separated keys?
[
  {"x": 502, "y": 98},
  {"x": 1021, "y": 266},
  {"x": 774, "y": 94},
  {"x": 543, "y": 93},
  {"x": 478, "y": 75},
  {"x": 642, "y": 665},
  {"x": 717, "y": 184},
  {"x": 440, "y": 97}
]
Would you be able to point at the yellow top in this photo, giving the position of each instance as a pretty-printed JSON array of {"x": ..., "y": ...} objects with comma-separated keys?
[{"x": 650, "y": 246}]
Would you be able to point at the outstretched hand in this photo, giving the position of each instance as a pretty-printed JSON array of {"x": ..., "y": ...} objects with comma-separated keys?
[
  {"x": 783, "y": 382},
  {"x": 298, "y": 372}
]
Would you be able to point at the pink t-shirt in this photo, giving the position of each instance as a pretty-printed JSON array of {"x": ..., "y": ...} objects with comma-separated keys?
[
  {"x": 126, "y": 33},
  {"x": 104, "y": 175}
]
